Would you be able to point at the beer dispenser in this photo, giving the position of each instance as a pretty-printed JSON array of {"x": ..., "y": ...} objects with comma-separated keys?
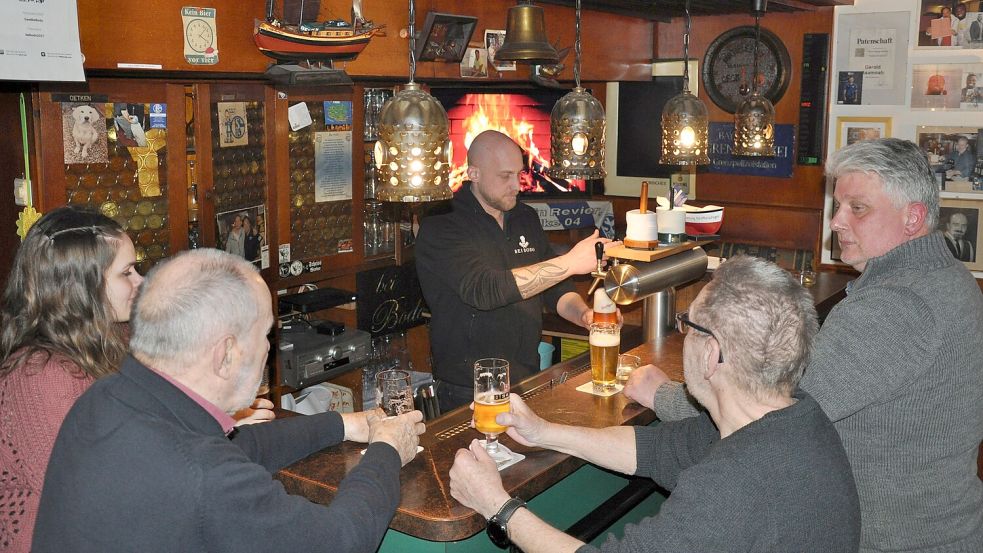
[{"x": 654, "y": 282}]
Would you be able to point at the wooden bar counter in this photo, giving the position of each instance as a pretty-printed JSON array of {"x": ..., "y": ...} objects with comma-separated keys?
[{"x": 428, "y": 512}]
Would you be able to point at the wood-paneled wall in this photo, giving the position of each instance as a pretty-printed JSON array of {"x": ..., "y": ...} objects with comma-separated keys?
[
  {"x": 772, "y": 211},
  {"x": 153, "y": 34}
]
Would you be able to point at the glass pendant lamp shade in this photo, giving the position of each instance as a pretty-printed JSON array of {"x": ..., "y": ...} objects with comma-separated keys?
[
  {"x": 685, "y": 131},
  {"x": 685, "y": 123},
  {"x": 525, "y": 37},
  {"x": 412, "y": 152},
  {"x": 754, "y": 127},
  {"x": 577, "y": 127}
]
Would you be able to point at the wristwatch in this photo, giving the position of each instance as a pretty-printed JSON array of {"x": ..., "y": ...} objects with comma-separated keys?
[{"x": 497, "y": 529}]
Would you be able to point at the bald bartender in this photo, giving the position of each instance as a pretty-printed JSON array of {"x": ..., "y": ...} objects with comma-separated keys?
[{"x": 487, "y": 271}]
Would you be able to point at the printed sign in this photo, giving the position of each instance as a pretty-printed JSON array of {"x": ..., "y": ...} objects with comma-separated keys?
[
  {"x": 200, "y": 36},
  {"x": 569, "y": 214},
  {"x": 722, "y": 161}
]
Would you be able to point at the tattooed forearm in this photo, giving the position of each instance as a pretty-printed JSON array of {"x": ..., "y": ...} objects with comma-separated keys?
[{"x": 534, "y": 279}]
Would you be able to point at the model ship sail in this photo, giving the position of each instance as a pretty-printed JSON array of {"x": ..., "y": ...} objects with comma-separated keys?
[{"x": 297, "y": 38}]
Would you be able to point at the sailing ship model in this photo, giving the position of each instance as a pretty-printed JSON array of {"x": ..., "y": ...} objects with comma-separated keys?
[{"x": 329, "y": 41}]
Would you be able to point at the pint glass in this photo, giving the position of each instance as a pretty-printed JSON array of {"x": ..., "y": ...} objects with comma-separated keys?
[{"x": 605, "y": 345}]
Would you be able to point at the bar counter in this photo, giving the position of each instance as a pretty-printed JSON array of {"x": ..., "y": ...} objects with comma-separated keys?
[{"x": 428, "y": 512}]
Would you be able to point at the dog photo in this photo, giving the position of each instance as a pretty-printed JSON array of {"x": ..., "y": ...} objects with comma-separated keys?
[{"x": 84, "y": 133}]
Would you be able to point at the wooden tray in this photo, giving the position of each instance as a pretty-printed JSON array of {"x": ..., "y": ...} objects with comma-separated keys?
[{"x": 623, "y": 252}]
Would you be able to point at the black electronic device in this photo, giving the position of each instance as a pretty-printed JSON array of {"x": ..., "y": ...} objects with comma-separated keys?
[
  {"x": 315, "y": 300},
  {"x": 307, "y": 356},
  {"x": 812, "y": 102}
]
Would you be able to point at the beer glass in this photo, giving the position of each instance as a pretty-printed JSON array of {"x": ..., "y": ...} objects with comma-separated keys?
[
  {"x": 605, "y": 343},
  {"x": 395, "y": 392},
  {"x": 491, "y": 397},
  {"x": 626, "y": 364}
]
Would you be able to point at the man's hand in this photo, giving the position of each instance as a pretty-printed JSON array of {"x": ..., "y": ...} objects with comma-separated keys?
[
  {"x": 643, "y": 383},
  {"x": 357, "y": 425},
  {"x": 581, "y": 259},
  {"x": 524, "y": 426},
  {"x": 260, "y": 411},
  {"x": 401, "y": 432},
  {"x": 475, "y": 481}
]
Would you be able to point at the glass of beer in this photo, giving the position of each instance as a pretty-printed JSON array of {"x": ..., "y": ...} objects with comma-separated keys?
[
  {"x": 491, "y": 397},
  {"x": 395, "y": 392},
  {"x": 605, "y": 344}
]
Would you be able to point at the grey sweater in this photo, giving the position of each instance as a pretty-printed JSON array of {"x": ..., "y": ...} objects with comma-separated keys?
[
  {"x": 898, "y": 368},
  {"x": 779, "y": 484}
]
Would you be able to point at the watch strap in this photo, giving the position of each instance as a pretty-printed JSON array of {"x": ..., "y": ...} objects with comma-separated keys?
[
  {"x": 498, "y": 524},
  {"x": 508, "y": 509}
]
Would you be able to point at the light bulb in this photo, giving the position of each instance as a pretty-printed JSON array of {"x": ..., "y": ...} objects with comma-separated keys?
[
  {"x": 416, "y": 166},
  {"x": 687, "y": 137},
  {"x": 579, "y": 143}
]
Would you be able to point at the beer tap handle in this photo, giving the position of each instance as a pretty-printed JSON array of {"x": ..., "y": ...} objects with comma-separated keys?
[
  {"x": 599, "y": 274},
  {"x": 599, "y": 252}
]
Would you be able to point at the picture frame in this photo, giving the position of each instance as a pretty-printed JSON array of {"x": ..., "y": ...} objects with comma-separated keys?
[
  {"x": 445, "y": 37},
  {"x": 853, "y": 129},
  {"x": 953, "y": 153},
  {"x": 957, "y": 29},
  {"x": 494, "y": 39},
  {"x": 960, "y": 219}
]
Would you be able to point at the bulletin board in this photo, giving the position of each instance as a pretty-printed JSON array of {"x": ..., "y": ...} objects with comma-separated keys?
[{"x": 895, "y": 73}]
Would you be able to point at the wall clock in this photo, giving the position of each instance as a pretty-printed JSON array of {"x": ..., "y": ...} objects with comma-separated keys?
[
  {"x": 199, "y": 35},
  {"x": 728, "y": 64}
]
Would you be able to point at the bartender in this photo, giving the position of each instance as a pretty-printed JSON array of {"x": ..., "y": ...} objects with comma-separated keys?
[{"x": 487, "y": 271}]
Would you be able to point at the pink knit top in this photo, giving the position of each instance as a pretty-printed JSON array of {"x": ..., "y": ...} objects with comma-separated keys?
[{"x": 34, "y": 400}]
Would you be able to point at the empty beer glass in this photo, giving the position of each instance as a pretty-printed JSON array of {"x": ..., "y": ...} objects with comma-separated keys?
[
  {"x": 605, "y": 344},
  {"x": 395, "y": 392},
  {"x": 491, "y": 397}
]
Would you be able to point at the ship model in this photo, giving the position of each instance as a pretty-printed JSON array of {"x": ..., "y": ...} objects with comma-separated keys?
[{"x": 309, "y": 41}]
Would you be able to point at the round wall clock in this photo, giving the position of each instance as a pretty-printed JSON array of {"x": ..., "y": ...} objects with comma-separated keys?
[
  {"x": 729, "y": 62},
  {"x": 199, "y": 35}
]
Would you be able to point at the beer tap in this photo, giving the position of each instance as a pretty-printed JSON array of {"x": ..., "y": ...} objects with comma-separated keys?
[{"x": 599, "y": 274}]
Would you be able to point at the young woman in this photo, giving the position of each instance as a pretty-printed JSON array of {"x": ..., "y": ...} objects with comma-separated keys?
[
  {"x": 69, "y": 292},
  {"x": 72, "y": 284}
]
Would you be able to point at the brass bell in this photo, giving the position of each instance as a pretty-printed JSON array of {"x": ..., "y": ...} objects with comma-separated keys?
[{"x": 525, "y": 37}]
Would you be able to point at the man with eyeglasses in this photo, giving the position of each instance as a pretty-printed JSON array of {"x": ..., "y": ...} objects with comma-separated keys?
[
  {"x": 897, "y": 365},
  {"x": 762, "y": 470},
  {"x": 487, "y": 270}
]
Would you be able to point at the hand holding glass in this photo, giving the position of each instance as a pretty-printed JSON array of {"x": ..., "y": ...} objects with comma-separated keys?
[
  {"x": 395, "y": 392},
  {"x": 491, "y": 397}
]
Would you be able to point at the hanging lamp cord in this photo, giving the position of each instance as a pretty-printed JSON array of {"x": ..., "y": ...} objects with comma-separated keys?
[
  {"x": 576, "y": 51},
  {"x": 757, "y": 40},
  {"x": 412, "y": 31},
  {"x": 686, "y": 50}
]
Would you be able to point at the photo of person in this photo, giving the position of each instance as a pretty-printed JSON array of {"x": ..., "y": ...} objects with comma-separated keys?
[
  {"x": 856, "y": 134},
  {"x": 475, "y": 63},
  {"x": 951, "y": 152},
  {"x": 961, "y": 161},
  {"x": 851, "y": 87},
  {"x": 494, "y": 39},
  {"x": 970, "y": 93},
  {"x": 242, "y": 232},
  {"x": 959, "y": 228},
  {"x": 949, "y": 24},
  {"x": 931, "y": 86}
]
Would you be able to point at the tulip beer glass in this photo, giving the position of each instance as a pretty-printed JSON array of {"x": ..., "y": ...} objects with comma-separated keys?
[
  {"x": 395, "y": 392},
  {"x": 605, "y": 343},
  {"x": 491, "y": 397}
]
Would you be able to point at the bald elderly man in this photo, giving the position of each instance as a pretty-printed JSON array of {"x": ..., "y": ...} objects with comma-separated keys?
[
  {"x": 146, "y": 460},
  {"x": 487, "y": 270}
]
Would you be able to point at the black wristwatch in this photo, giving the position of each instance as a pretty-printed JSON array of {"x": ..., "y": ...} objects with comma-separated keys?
[{"x": 497, "y": 529}]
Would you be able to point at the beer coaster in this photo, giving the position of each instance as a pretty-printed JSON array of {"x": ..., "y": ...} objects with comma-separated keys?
[
  {"x": 515, "y": 457},
  {"x": 589, "y": 389}
]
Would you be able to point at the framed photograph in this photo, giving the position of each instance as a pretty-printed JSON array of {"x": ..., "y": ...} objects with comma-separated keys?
[
  {"x": 494, "y": 39},
  {"x": 242, "y": 232},
  {"x": 946, "y": 24},
  {"x": 851, "y": 87},
  {"x": 855, "y": 129},
  {"x": 445, "y": 37},
  {"x": 952, "y": 152},
  {"x": 959, "y": 221},
  {"x": 876, "y": 45},
  {"x": 936, "y": 86},
  {"x": 475, "y": 63}
]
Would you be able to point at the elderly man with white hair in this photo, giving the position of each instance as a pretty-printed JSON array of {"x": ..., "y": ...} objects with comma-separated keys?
[
  {"x": 145, "y": 460},
  {"x": 762, "y": 471},
  {"x": 897, "y": 363}
]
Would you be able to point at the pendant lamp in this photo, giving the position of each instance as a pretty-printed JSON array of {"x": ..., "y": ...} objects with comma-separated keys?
[
  {"x": 577, "y": 126},
  {"x": 525, "y": 37},
  {"x": 685, "y": 124},
  {"x": 413, "y": 151},
  {"x": 754, "y": 120}
]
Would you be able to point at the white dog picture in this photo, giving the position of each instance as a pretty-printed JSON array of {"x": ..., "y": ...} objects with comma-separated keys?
[{"x": 84, "y": 133}]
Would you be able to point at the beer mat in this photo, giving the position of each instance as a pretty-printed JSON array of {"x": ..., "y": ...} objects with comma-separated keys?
[
  {"x": 515, "y": 457},
  {"x": 419, "y": 448},
  {"x": 589, "y": 389}
]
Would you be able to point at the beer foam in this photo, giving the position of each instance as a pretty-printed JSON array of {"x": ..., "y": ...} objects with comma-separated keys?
[{"x": 604, "y": 340}]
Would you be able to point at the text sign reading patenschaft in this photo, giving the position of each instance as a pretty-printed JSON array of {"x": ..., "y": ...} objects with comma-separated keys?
[{"x": 722, "y": 161}]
